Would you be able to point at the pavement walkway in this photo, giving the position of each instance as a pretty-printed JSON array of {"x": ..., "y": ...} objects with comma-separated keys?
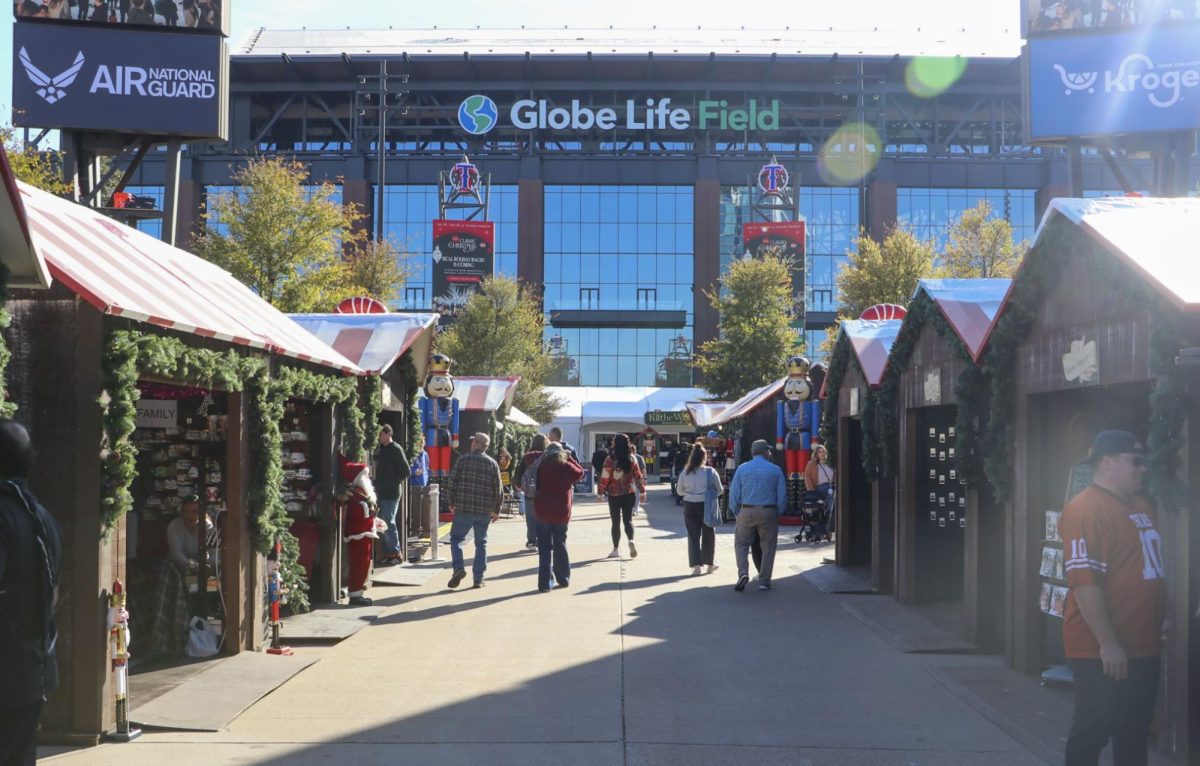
[{"x": 637, "y": 662}]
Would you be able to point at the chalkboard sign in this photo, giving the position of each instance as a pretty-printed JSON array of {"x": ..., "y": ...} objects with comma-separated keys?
[{"x": 1080, "y": 479}]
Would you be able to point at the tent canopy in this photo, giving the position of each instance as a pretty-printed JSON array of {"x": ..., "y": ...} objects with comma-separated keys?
[
  {"x": 705, "y": 414},
  {"x": 479, "y": 394},
  {"x": 18, "y": 249},
  {"x": 520, "y": 418},
  {"x": 970, "y": 306},
  {"x": 374, "y": 341},
  {"x": 124, "y": 272},
  {"x": 748, "y": 403},
  {"x": 1155, "y": 236}
]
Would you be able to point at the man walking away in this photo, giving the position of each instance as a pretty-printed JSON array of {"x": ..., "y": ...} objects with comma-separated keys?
[
  {"x": 30, "y": 561},
  {"x": 556, "y": 477},
  {"x": 1113, "y": 624},
  {"x": 555, "y": 435},
  {"x": 757, "y": 495},
  {"x": 391, "y": 469},
  {"x": 475, "y": 496}
]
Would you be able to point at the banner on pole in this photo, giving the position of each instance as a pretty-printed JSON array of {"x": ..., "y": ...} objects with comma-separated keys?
[
  {"x": 463, "y": 254},
  {"x": 784, "y": 239}
]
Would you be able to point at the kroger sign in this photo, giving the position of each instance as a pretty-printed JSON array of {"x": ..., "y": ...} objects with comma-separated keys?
[
  {"x": 1144, "y": 80},
  {"x": 478, "y": 114}
]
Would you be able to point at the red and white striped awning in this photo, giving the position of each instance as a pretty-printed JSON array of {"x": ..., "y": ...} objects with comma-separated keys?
[
  {"x": 18, "y": 250},
  {"x": 476, "y": 394},
  {"x": 374, "y": 341},
  {"x": 127, "y": 273},
  {"x": 705, "y": 413}
]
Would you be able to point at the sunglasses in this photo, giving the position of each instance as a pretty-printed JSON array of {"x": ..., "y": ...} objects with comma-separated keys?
[{"x": 1137, "y": 460}]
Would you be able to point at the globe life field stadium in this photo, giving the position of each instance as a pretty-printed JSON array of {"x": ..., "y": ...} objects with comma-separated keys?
[{"x": 623, "y": 162}]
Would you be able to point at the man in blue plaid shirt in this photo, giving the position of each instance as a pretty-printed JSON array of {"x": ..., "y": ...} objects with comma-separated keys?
[
  {"x": 757, "y": 496},
  {"x": 475, "y": 495}
]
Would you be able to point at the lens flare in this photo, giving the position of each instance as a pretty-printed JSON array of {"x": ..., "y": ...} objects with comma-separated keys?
[
  {"x": 929, "y": 76},
  {"x": 850, "y": 154}
]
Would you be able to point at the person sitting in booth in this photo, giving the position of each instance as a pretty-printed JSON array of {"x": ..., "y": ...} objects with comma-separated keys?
[{"x": 183, "y": 547}]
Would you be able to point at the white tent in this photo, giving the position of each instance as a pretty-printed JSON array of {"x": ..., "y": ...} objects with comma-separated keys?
[{"x": 593, "y": 410}]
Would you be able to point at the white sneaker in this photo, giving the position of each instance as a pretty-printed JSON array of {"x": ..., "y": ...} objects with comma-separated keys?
[
  {"x": 632, "y": 550},
  {"x": 696, "y": 571},
  {"x": 713, "y": 567},
  {"x": 616, "y": 554}
]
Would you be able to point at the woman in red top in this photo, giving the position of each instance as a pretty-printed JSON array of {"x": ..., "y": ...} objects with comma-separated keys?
[
  {"x": 556, "y": 479},
  {"x": 622, "y": 481}
]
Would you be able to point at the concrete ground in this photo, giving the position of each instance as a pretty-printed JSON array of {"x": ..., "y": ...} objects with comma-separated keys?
[{"x": 637, "y": 662}]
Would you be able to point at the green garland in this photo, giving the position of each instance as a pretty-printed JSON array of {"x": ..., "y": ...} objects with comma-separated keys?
[
  {"x": 414, "y": 440},
  {"x": 370, "y": 399},
  {"x": 1038, "y": 277},
  {"x": 7, "y": 408},
  {"x": 838, "y": 360}
]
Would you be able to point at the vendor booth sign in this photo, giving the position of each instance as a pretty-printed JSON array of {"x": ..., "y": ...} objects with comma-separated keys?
[
  {"x": 463, "y": 254},
  {"x": 660, "y": 418},
  {"x": 1081, "y": 364},
  {"x": 157, "y": 413}
]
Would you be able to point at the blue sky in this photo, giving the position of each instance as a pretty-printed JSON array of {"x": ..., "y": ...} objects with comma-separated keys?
[{"x": 987, "y": 17}]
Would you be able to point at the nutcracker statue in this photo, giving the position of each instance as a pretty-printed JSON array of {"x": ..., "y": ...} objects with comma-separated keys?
[
  {"x": 796, "y": 420},
  {"x": 275, "y": 597},
  {"x": 118, "y": 642},
  {"x": 439, "y": 416}
]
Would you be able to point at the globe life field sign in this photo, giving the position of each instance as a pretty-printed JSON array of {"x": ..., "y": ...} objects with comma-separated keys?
[
  {"x": 478, "y": 114},
  {"x": 119, "y": 79}
]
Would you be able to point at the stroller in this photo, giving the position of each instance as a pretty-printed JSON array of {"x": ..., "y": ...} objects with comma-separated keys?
[{"x": 816, "y": 518}]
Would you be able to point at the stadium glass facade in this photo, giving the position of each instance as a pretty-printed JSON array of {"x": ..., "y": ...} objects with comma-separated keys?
[{"x": 622, "y": 228}]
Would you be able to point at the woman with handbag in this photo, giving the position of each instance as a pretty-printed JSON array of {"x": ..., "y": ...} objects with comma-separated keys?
[{"x": 700, "y": 486}]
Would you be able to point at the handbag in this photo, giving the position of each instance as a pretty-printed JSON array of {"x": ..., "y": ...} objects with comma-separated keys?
[
  {"x": 202, "y": 639},
  {"x": 712, "y": 513}
]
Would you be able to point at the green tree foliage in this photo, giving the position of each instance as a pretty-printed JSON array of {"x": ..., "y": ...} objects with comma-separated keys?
[
  {"x": 35, "y": 167},
  {"x": 883, "y": 272},
  {"x": 756, "y": 333},
  {"x": 284, "y": 239},
  {"x": 499, "y": 333},
  {"x": 979, "y": 245},
  {"x": 377, "y": 268}
]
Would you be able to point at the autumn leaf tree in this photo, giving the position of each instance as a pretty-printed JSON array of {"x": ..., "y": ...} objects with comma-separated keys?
[
  {"x": 979, "y": 245},
  {"x": 755, "y": 325},
  {"x": 498, "y": 332}
]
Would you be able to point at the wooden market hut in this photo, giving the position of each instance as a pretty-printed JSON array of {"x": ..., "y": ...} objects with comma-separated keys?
[
  {"x": 865, "y": 521},
  {"x": 128, "y": 311},
  {"x": 949, "y": 531},
  {"x": 1088, "y": 338}
]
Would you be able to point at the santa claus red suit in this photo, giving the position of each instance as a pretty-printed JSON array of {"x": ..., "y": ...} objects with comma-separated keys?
[{"x": 360, "y": 528}]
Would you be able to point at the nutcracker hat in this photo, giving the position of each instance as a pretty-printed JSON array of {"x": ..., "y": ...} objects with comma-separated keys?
[
  {"x": 797, "y": 367},
  {"x": 439, "y": 364},
  {"x": 350, "y": 471}
]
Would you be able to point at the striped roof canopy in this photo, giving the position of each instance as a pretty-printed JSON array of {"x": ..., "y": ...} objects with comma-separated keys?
[
  {"x": 127, "y": 273},
  {"x": 1156, "y": 236},
  {"x": 17, "y": 249},
  {"x": 374, "y": 341},
  {"x": 872, "y": 343},
  {"x": 705, "y": 413},
  {"x": 971, "y": 306},
  {"x": 484, "y": 394},
  {"x": 747, "y": 403}
]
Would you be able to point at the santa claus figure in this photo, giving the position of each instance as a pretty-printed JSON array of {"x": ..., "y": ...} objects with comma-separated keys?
[{"x": 360, "y": 527}]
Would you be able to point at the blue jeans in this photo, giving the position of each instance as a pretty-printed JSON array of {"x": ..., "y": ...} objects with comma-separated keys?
[
  {"x": 464, "y": 523},
  {"x": 391, "y": 538},
  {"x": 552, "y": 545},
  {"x": 531, "y": 537}
]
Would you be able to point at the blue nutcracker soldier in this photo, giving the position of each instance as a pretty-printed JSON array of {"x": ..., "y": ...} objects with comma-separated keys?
[
  {"x": 439, "y": 416},
  {"x": 797, "y": 418}
]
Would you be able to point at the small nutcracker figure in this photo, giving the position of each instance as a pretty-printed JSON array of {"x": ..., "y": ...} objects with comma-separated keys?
[
  {"x": 439, "y": 416},
  {"x": 275, "y": 596},
  {"x": 796, "y": 420},
  {"x": 118, "y": 643}
]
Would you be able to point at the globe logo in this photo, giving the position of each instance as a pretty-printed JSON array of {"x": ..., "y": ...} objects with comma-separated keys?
[{"x": 477, "y": 114}]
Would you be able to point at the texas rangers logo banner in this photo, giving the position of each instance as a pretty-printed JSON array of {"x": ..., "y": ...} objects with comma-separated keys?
[
  {"x": 783, "y": 240},
  {"x": 463, "y": 254}
]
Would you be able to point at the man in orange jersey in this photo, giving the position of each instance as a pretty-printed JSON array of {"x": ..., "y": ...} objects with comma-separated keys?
[{"x": 1114, "y": 618}]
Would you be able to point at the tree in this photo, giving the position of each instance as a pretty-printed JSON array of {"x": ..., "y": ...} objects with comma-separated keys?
[
  {"x": 883, "y": 272},
  {"x": 499, "y": 333},
  {"x": 283, "y": 238},
  {"x": 378, "y": 268},
  {"x": 756, "y": 333},
  {"x": 980, "y": 245},
  {"x": 35, "y": 167}
]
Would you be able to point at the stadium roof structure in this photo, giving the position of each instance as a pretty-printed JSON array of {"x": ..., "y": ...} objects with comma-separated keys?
[{"x": 666, "y": 41}]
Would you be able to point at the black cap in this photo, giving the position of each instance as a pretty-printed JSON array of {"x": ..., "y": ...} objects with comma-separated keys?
[{"x": 1113, "y": 443}]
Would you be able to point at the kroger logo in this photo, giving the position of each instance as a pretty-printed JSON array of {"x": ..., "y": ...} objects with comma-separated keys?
[
  {"x": 1163, "y": 85},
  {"x": 477, "y": 114}
]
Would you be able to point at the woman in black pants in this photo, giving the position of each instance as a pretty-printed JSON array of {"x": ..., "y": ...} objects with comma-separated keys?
[
  {"x": 700, "y": 486},
  {"x": 622, "y": 481}
]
